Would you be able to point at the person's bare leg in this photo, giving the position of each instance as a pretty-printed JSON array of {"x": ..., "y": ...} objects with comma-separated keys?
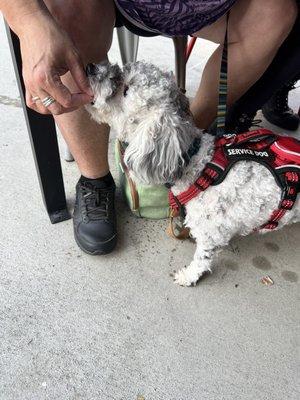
[
  {"x": 86, "y": 139},
  {"x": 256, "y": 31},
  {"x": 90, "y": 25}
]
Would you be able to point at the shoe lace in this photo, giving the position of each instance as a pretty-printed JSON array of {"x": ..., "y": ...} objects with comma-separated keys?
[{"x": 96, "y": 201}]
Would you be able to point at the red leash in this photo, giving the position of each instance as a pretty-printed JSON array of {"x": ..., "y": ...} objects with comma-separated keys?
[{"x": 189, "y": 48}]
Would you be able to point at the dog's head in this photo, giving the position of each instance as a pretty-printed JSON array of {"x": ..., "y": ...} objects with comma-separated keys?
[
  {"x": 106, "y": 81},
  {"x": 148, "y": 111}
]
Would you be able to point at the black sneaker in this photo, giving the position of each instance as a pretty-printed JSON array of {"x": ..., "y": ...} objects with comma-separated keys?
[
  {"x": 236, "y": 122},
  {"x": 241, "y": 123},
  {"x": 94, "y": 217},
  {"x": 278, "y": 112}
]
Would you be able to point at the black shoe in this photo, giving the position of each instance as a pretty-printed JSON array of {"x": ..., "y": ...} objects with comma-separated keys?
[
  {"x": 241, "y": 123},
  {"x": 94, "y": 216},
  {"x": 236, "y": 122},
  {"x": 278, "y": 112}
]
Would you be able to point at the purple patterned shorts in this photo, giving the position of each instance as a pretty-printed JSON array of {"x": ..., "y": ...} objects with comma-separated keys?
[{"x": 173, "y": 17}]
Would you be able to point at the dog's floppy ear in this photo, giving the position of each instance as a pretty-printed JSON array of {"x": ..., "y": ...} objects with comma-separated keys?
[{"x": 155, "y": 152}]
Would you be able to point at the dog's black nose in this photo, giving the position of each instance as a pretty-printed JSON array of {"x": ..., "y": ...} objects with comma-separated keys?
[{"x": 90, "y": 69}]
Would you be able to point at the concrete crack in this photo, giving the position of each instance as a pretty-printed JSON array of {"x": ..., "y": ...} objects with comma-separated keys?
[{"x": 8, "y": 101}]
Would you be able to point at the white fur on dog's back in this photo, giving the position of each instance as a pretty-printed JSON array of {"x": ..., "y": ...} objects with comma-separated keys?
[{"x": 241, "y": 203}]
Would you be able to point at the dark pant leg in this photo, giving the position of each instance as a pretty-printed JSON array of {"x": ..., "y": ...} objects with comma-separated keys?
[{"x": 284, "y": 68}]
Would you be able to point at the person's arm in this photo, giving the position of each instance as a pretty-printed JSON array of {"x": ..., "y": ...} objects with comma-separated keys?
[
  {"x": 17, "y": 12},
  {"x": 47, "y": 54}
]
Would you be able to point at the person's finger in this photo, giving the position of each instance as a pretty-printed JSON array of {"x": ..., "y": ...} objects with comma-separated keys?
[
  {"x": 80, "y": 99},
  {"x": 78, "y": 73},
  {"x": 50, "y": 82},
  {"x": 55, "y": 108},
  {"x": 29, "y": 100},
  {"x": 56, "y": 89},
  {"x": 35, "y": 105}
]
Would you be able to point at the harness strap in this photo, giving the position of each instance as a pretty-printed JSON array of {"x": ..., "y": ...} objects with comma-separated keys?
[
  {"x": 209, "y": 175},
  {"x": 288, "y": 199},
  {"x": 215, "y": 171},
  {"x": 228, "y": 140}
]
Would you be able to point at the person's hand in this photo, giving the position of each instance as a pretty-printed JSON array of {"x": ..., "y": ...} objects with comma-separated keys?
[{"x": 47, "y": 54}]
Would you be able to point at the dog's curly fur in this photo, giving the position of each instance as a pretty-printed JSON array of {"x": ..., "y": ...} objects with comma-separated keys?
[{"x": 148, "y": 111}]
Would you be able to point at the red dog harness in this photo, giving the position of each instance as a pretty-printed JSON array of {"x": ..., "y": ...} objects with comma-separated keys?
[{"x": 280, "y": 154}]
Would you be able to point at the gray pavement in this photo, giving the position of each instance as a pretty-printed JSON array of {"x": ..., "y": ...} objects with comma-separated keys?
[{"x": 73, "y": 326}]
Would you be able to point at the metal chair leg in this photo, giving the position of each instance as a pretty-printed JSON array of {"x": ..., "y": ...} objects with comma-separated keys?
[
  {"x": 180, "y": 43},
  {"x": 44, "y": 145},
  {"x": 128, "y": 44}
]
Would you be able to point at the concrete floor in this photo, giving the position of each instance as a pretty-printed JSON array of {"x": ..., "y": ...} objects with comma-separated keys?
[{"x": 74, "y": 326}]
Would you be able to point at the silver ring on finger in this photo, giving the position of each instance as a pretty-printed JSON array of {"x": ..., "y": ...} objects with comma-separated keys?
[
  {"x": 47, "y": 101},
  {"x": 35, "y": 99}
]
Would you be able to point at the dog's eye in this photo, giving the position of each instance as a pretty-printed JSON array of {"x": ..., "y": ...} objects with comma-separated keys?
[{"x": 125, "y": 91}]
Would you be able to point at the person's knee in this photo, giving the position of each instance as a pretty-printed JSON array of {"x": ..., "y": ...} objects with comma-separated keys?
[
  {"x": 267, "y": 22},
  {"x": 203, "y": 114},
  {"x": 280, "y": 16},
  {"x": 276, "y": 19},
  {"x": 89, "y": 24}
]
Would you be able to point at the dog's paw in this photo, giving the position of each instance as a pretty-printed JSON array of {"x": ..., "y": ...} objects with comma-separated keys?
[
  {"x": 189, "y": 276},
  {"x": 184, "y": 277}
]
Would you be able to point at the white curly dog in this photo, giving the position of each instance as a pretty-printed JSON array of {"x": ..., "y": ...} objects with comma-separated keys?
[{"x": 147, "y": 110}]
